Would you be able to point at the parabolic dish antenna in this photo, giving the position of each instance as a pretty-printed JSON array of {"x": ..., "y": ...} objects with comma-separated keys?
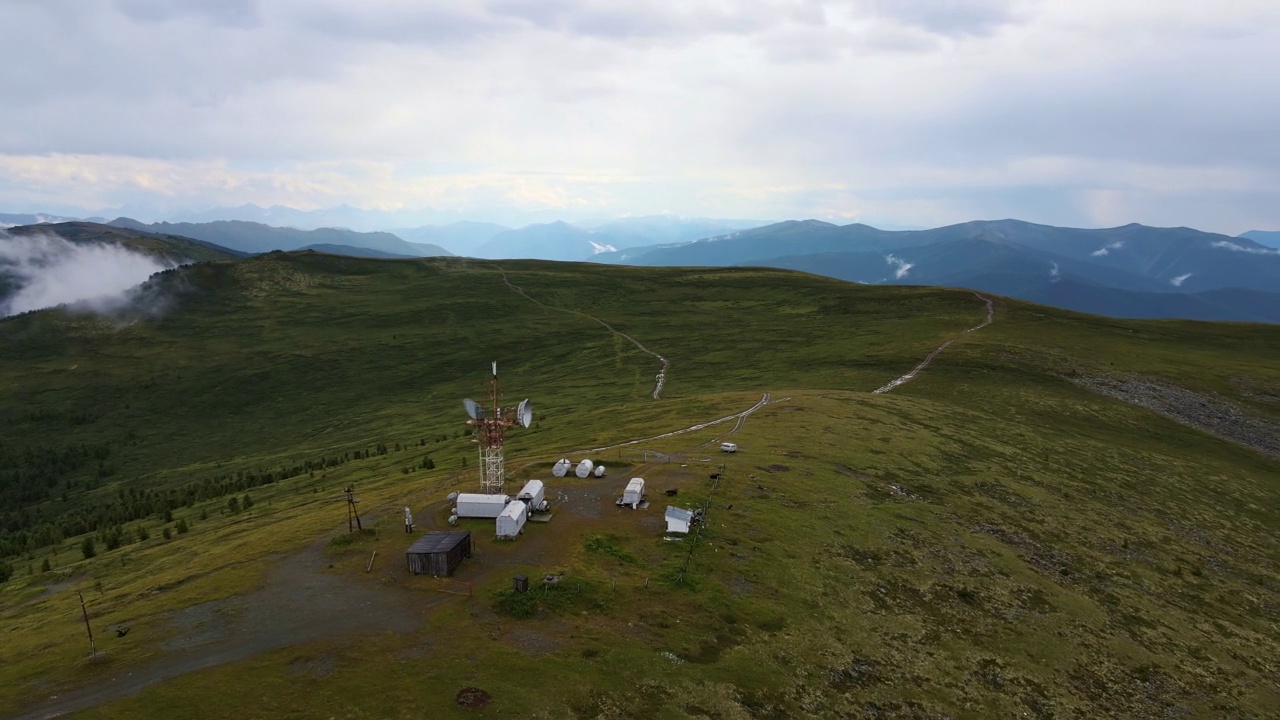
[
  {"x": 474, "y": 411},
  {"x": 525, "y": 413}
]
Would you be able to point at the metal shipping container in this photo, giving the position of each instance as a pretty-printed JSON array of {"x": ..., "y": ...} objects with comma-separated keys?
[
  {"x": 534, "y": 495},
  {"x": 439, "y": 553},
  {"x": 481, "y": 505},
  {"x": 634, "y": 494},
  {"x": 511, "y": 521}
]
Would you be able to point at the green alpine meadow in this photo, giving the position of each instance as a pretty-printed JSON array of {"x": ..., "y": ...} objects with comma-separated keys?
[{"x": 1051, "y": 515}]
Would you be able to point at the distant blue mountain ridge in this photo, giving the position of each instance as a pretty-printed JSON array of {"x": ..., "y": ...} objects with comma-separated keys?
[{"x": 1129, "y": 271}]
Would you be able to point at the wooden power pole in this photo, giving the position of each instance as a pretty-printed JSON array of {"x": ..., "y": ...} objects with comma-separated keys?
[
  {"x": 351, "y": 509},
  {"x": 83, "y": 611}
]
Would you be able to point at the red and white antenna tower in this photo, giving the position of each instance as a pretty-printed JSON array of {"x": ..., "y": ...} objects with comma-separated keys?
[{"x": 491, "y": 422}]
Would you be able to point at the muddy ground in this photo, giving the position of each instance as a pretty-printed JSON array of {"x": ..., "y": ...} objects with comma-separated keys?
[{"x": 304, "y": 598}]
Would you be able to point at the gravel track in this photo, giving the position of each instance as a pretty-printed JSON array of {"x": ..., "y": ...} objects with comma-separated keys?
[
  {"x": 740, "y": 417},
  {"x": 991, "y": 313}
]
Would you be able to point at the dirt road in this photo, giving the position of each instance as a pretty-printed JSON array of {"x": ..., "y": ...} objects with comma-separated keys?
[
  {"x": 991, "y": 312},
  {"x": 301, "y": 602}
]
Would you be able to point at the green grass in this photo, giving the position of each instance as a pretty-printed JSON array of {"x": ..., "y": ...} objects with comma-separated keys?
[{"x": 989, "y": 540}]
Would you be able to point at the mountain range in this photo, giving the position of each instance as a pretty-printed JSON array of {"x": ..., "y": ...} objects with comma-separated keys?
[
  {"x": 1270, "y": 239},
  {"x": 564, "y": 241},
  {"x": 173, "y": 248},
  {"x": 252, "y": 237},
  {"x": 1130, "y": 271}
]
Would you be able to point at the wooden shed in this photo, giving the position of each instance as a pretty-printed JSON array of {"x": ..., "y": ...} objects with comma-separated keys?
[{"x": 439, "y": 552}]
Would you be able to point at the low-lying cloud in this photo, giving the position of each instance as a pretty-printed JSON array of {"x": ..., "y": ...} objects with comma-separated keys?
[
  {"x": 903, "y": 267},
  {"x": 44, "y": 271},
  {"x": 1227, "y": 245},
  {"x": 1054, "y": 275},
  {"x": 1106, "y": 250},
  {"x": 1177, "y": 281}
]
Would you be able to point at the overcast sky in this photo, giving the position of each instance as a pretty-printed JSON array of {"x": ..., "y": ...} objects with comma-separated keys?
[{"x": 892, "y": 112}]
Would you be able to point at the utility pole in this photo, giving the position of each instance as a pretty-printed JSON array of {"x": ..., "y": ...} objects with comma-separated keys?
[
  {"x": 92, "y": 648},
  {"x": 351, "y": 509}
]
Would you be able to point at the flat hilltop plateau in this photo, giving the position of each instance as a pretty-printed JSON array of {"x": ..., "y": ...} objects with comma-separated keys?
[{"x": 944, "y": 504}]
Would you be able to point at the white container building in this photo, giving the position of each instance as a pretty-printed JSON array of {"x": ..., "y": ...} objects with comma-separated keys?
[
  {"x": 678, "y": 520},
  {"x": 584, "y": 469},
  {"x": 634, "y": 494},
  {"x": 534, "y": 495},
  {"x": 481, "y": 505},
  {"x": 511, "y": 521}
]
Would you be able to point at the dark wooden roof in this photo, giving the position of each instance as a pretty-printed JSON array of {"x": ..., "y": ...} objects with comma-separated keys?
[{"x": 439, "y": 541}]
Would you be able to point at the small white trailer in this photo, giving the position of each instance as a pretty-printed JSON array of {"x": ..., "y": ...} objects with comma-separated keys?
[
  {"x": 633, "y": 495},
  {"x": 729, "y": 447},
  {"x": 480, "y": 505},
  {"x": 534, "y": 495},
  {"x": 511, "y": 521}
]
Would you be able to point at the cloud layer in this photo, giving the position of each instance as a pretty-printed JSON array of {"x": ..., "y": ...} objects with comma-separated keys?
[
  {"x": 46, "y": 271},
  {"x": 1087, "y": 112}
]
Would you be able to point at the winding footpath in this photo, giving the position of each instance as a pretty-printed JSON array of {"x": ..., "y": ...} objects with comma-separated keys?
[
  {"x": 991, "y": 312},
  {"x": 740, "y": 417},
  {"x": 659, "y": 380}
]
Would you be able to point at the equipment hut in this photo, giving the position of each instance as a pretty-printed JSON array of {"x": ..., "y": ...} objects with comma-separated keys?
[
  {"x": 480, "y": 505},
  {"x": 511, "y": 521},
  {"x": 439, "y": 552},
  {"x": 534, "y": 495},
  {"x": 633, "y": 495},
  {"x": 678, "y": 520}
]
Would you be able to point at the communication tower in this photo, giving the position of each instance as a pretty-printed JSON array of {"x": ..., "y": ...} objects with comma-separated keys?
[{"x": 491, "y": 422}]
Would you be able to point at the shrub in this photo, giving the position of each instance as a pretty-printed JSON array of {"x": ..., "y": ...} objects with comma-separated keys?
[
  {"x": 87, "y": 548},
  {"x": 551, "y": 598},
  {"x": 181, "y": 527},
  {"x": 608, "y": 545}
]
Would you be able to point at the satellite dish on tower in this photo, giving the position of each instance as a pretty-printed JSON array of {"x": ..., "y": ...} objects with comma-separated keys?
[
  {"x": 474, "y": 411},
  {"x": 524, "y": 414}
]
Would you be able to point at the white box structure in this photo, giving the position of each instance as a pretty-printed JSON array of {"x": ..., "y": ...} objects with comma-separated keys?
[
  {"x": 534, "y": 494},
  {"x": 678, "y": 520},
  {"x": 511, "y": 521},
  {"x": 480, "y": 505},
  {"x": 634, "y": 494}
]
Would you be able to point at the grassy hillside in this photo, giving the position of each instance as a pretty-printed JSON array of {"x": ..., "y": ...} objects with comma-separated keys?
[
  {"x": 175, "y": 248},
  {"x": 991, "y": 539}
]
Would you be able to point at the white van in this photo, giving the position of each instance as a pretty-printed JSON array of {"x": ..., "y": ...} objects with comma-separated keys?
[{"x": 729, "y": 447}]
